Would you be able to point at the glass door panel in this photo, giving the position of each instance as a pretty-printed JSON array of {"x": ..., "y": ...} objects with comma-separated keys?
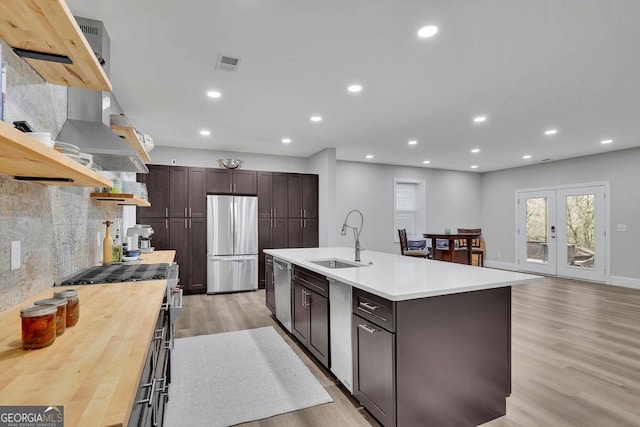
[{"x": 536, "y": 233}]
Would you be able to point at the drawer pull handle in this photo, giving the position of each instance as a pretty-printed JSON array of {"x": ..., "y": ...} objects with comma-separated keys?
[
  {"x": 152, "y": 391},
  {"x": 366, "y": 328},
  {"x": 369, "y": 306}
]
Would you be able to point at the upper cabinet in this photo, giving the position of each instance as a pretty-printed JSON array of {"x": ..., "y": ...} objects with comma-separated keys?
[
  {"x": 303, "y": 195},
  {"x": 47, "y": 35},
  {"x": 232, "y": 181},
  {"x": 26, "y": 159}
]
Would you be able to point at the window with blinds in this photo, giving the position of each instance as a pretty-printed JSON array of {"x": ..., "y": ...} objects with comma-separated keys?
[{"x": 409, "y": 207}]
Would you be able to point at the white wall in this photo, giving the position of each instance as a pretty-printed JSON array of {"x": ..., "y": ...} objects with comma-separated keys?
[
  {"x": 209, "y": 159},
  {"x": 620, "y": 168},
  {"x": 453, "y": 200},
  {"x": 323, "y": 164}
]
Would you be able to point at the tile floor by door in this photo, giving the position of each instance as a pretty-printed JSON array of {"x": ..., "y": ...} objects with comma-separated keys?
[{"x": 575, "y": 355}]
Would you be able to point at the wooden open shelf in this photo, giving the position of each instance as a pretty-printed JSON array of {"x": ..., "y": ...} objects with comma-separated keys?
[
  {"x": 121, "y": 199},
  {"x": 26, "y": 159},
  {"x": 48, "y": 26},
  {"x": 129, "y": 134}
]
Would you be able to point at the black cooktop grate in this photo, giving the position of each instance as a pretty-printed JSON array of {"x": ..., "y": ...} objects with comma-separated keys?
[{"x": 118, "y": 273}]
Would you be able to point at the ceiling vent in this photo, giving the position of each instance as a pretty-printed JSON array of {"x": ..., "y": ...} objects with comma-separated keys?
[{"x": 227, "y": 63}]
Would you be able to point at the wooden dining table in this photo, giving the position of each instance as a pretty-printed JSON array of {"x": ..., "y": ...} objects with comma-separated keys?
[{"x": 452, "y": 254}]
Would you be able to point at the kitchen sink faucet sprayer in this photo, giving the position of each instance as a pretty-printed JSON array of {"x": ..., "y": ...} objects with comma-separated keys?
[{"x": 356, "y": 231}]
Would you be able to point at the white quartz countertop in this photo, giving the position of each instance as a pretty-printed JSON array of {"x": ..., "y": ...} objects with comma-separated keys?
[{"x": 399, "y": 278}]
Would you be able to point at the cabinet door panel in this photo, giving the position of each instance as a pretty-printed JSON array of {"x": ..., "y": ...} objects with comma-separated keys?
[
  {"x": 270, "y": 291},
  {"x": 319, "y": 327},
  {"x": 264, "y": 242},
  {"x": 179, "y": 191},
  {"x": 179, "y": 241},
  {"x": 245, "y": 182},
  {"x": 299, "y": 313},
  {"x": 198, "y": 254},
  {"x": 219, "y": 181},
  {"x": 295, "y": 233},
  {"x": 294, "y": 193},
  {"x": 157, "y": 181},
  {"x": 310, "y": 196},
  {"x": 279, "y": 195},
  {"x": 374, "y": 369},
  {"x": 197, "y": 193},
  {"x": 160, "y": 238},
  {"x": 264, "y": 194},
  {"x": 310, "y": 233},
  {"x": 279, "y": 233}
]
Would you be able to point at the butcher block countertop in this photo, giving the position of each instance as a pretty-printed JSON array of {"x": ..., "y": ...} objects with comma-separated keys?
[{"x": 94, "y": 368}]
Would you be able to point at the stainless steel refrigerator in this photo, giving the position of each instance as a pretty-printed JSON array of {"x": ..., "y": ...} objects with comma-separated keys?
[{"x": 232, "y": 243}]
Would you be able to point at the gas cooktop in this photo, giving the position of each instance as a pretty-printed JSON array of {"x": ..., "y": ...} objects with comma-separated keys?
[{"x": 115, "y": 273}]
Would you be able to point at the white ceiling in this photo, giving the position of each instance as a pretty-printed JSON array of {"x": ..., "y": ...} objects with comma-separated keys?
[{"x": 529, "y": 65}]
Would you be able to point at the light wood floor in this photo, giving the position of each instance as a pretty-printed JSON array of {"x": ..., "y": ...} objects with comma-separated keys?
[{"x": 575, "y": 355}]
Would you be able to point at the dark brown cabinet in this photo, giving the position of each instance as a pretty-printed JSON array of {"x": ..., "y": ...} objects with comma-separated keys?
[
  {"x": 270, "y": 291},
  {"x": 272, "y": 234},
  {"x": 187, "y": 236},
  {"x": 232, "y": 181},
  {"x": 180, "y": 224},
  {"x": 303, "y": 233},
  {"x": 374, "y": 369},
  {"x": 310, "y": 312},
  {"x": 157, "y": 181},
  {"x": 272, "y": 195},
  {"x": 302, "y": 192}
]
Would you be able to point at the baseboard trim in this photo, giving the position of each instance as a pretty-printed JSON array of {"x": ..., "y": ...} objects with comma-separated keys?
[
  {"x": 627, "y": 282},
  {"x": 501, "y": 265}
]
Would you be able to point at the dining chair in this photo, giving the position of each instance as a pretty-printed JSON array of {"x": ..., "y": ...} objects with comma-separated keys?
[
  {"x": 404, "y": 250},
  {"x": 477, "y": 244}
]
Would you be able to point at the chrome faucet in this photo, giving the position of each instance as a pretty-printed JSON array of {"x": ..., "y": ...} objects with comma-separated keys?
[{"x": 356, "y": 231}]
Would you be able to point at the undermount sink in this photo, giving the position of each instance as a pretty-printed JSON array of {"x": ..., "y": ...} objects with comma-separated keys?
[{"x": 336, "y": 263}]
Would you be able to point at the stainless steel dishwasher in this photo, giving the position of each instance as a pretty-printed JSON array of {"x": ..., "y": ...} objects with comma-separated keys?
[{"x": 282, "y": 272}]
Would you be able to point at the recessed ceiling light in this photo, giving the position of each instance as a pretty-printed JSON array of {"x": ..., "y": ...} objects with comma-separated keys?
[
  {"x": 427, "y": 31},
  {"x": 526, "y": 156},
  {"x": 205, "y": 132},
  {"x": 369, "y": 156},
  {"x": 480, "y": 119},
  {"x": 315, "y": 118},
  {"x": 354, "y": 88},
  {"x": 551, "y": 131},
  {"x": 606, "y": 141},
  {"x": 286, "y": 140},
  {"x": 214, "y": 94},
  {"x": 475, "y": 150},
  {"x": 412, "y": 142},
  {"x": 426, "y": 162},
  {"x": 474, "y": 166}
]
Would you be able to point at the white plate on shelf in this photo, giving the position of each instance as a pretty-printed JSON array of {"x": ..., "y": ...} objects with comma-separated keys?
[
  {"x": 129, "y": 258},
  {"x": 66, "y": 148}
]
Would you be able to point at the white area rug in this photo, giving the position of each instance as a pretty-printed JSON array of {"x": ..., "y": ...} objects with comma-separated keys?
[{"x": 235, "y": 377}]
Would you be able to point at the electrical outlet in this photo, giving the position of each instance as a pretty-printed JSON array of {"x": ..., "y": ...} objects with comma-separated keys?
[
  {"x": 173, "y": 161},
  {"x": 98, "y": 240},
  {"x": 15, "y": 255},
  {"x": 622, "y": 227}
]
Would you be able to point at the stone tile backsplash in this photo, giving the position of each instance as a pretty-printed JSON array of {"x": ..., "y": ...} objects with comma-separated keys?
[{"x": 57, "y": 226}]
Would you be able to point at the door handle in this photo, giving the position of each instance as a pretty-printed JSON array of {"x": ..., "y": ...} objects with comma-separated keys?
[
  {"x": 275, "y": 212},
  {"x": 366, "y": 328},
  {"x": 189, "y": 212},
  {"x": 166, "y": 212},
  {"x": 300, "y": 212},
  {"x": 189, "y": 222},
  {"x": 166, "y": 223},
  {"x": 304, "y": 213},
  {"x": 234, "y": 188},
  {"x": 368, "y": 306},
  {"x": 185, "y": 223}
]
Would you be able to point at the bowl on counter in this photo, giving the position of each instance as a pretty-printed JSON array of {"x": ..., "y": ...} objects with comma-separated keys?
[{"x": 133, "y": 253}]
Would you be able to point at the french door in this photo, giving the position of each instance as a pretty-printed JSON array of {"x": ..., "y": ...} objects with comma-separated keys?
[{"x": 562, "y": 232}]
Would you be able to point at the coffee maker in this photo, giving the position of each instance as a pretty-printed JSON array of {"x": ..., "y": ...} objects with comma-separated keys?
[{"x": 143, "y": 233}]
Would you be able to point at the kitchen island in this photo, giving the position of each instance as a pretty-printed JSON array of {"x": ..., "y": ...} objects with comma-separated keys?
[
  {"x": 93, "y": 370},
  {"x": 430, "y": 340}
]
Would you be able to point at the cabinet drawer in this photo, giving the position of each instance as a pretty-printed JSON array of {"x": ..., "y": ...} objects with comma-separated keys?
[
  {"x": 378, "y": 310},
  {"x": 312, "y": 280}
]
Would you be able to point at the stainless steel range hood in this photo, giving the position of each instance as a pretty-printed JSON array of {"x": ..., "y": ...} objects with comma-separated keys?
[{"x": 89, "y": 111}]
